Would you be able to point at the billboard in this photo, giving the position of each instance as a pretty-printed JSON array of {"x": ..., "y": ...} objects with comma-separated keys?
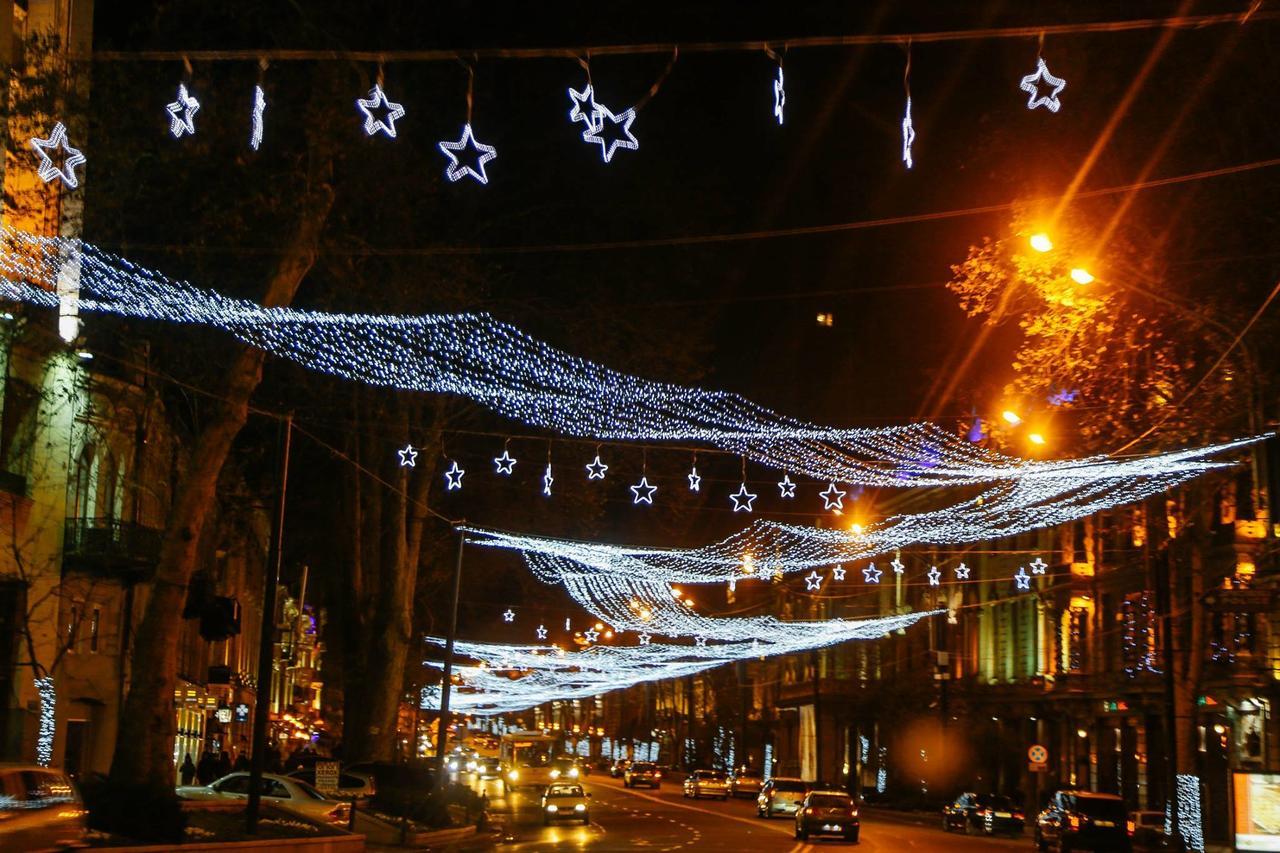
[{"x": 1256, "y": 797}]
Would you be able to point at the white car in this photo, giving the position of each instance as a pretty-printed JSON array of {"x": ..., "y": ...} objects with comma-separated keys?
[
  {"x": 289, "y": 794},
  {"x": 781, "y": 796},
  {"x": 566, "y": 801}
]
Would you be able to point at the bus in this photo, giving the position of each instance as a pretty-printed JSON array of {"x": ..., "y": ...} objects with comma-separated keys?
[{"x": 528, "y": 759}]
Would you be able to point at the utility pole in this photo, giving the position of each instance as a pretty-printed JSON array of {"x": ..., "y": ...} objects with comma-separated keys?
[
  {"x": 442, "y": 732},
  {"x": 267, "y": 637},
  {"x": 1164, "y": 601}
]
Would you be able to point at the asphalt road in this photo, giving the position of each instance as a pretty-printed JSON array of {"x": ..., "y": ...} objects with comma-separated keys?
[{"x": 644, "y": 820}]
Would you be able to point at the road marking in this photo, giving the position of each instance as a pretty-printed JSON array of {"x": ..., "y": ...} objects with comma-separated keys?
[{"x": 761, "y": 824}]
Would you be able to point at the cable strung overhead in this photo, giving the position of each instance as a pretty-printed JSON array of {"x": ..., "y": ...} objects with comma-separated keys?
[{"x": 516, "y": 375}]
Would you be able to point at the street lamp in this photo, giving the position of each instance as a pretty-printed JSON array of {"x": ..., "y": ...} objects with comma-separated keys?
[
  {"x": 1036, "y": 438},
  {"x": 1041, "y": 242},
  {"x": 1080, "y": 275},
  {"x": 1011, "y": 417}
]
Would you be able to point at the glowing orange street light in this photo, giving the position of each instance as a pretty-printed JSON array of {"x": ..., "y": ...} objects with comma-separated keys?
[
  {"x": 1011, "y": 417},
  {"x": 1080, "y": 275},
  {"x": 1035, "y": 438},
  {"x": 1041, "y": 242},
  {"x": 856, "y": 529}
]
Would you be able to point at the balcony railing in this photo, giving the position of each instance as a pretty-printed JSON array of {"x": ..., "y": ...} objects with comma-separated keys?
[{"x": 110, "y": 548}]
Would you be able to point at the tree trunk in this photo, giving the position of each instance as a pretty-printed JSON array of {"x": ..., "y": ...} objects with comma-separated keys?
[{"x": 144, "y": 745}]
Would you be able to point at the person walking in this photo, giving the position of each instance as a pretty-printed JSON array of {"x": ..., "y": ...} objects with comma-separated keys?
[
  {"x": 188, "y": 770},
  {"x": 205, "y": 768},
  {"x": 221, "y": 765}
]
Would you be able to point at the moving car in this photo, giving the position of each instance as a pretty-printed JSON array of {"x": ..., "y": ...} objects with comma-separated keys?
[
  {"x": 490, "y": 768},
  {"x": 292, "y": 795},
  {"x": 745, "y": 782},
  {"x": 619, "y": 767},
  {"x": 1084, "y": 820},
  {"x": 40, "y": 809},
  {"x": 780, "y": 796},
  {"x": 642, "y": 773},
  {"x": 351, "y": 785},
  {"x": 565, "y": 801},
  {"x": 708, "y": 783},
  {"x": 565, "y": 768},
  {"x": 982, "y": 814},
  {"x": 827, "y": 813}
]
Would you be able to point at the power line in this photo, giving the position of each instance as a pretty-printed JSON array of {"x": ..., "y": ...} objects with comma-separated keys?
[{"x": 1177, "y": 22}]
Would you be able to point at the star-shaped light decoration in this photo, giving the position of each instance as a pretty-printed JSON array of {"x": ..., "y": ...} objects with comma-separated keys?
[
  {"x": 1022, "y": 578},
  {"x": 962, "y": 572},
  {"x": 832, "y": 497},
  {"x": 813, "y": 581},
  {"x": 898, "y": 566},
  {"x": 255, "y": 123},
  {"x": 643, "y": 492},
  {"x": 700, "y": 640},
  {"x": 71, "y": 157},
  {"x": 408, "y": 457},
  {"x": 1038, "y": 566},
  {"x": 542, "y": 632},
  {"x": 871, "y": 574},
  {"x": 787, "y": 487},
  {"x": 457, "y": 170},
  {"x": 755, "y": 644},
  {"x": 453, "y": 477},
  {"x": 695, "y": 480},
  {"x": 504, "y": 463},
  {"x": 386, "y": 111},
  {"x": 935, "y": 576},
  {"x": 584, "y": 106},
  {"x": 742, "y": 499},
  {"x": 779, "y": 96},
  {"x": 644, "y": 639},
  {"x": 591, "y": 635},
  {"x": 611, "y": 131},
  {"x": 509, "y": 616},
  {"x": 182, "y": 113},
  {"x": 838, "y": 572},
  {"x": 595, "y": 471},
  {"x": 1041, "y": 76},
  {"x": 547, "y": 480},
  {"x": 908, "y": 135}
]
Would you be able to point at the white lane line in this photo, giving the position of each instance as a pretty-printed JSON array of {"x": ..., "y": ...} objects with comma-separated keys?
[{"x": 759, "y": 824}]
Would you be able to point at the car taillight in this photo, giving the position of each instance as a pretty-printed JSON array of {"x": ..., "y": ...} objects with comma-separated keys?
[
  {"x": 809, "y": 811},
  {"x": 982, "y": 812},
  {"x": 340, "y": 813},
  {"x": 1074, "y": 821},
  {"x": 1018, "y": 815},
  {"x": 656, "y": 776},
  {"x": 1131, "y": 826}
]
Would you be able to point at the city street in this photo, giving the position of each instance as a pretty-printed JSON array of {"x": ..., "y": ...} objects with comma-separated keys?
[{"x": 662, "y": 820}]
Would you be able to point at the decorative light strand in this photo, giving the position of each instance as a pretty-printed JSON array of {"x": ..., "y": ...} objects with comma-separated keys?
[
  {"x": 48, "y": 706},
  {"x": 256, "y": 122}
]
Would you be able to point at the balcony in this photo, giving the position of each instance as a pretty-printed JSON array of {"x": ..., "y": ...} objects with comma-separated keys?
[{"x": 109, "y": 548}]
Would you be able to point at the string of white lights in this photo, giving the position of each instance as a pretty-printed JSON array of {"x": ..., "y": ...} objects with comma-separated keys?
[{"x": 497, "y": 365}]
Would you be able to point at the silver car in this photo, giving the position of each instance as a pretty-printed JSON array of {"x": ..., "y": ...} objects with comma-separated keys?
[
  {"x": 40, "y": 809},
  {"x": 292, "y": 795}
]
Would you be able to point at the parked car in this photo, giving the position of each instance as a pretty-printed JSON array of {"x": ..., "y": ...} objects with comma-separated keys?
[
  {"x": 1083, "y": 820},
  {"x": 983, "y": 814},
  {"x": 1148, "y": 828},
  {"x": 642, "y": 773},
  {"x": 828, "y": 813},
  {"x": 619, "y": 767},
  {"x": 566, "y": 801},
  {"x": 706, "y": 783},
  {"x": 780, "y": 796},
  {"x": 40, "y": 809},
  {"x": 289, "y": 794},
  {"x": 351, "y": 786},
  {"x": 745, "y": 782}
]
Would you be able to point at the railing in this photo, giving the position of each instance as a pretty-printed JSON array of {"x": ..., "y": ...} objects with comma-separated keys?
[{"x": 111, "y": 547}]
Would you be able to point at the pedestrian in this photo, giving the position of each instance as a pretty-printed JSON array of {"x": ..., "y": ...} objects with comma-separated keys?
[
  {"x": 205, "y": 768},
  {"x": 188, "y": 770},
  {"x": 222, "y": 764},
  {"x": 242, "y": 761}
]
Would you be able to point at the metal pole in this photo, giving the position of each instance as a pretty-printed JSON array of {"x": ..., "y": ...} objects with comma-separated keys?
[
  {"x": 442, "y": 731},
  {"x": 1164, "y": 590},
  {"x": 267, "y": 638}
]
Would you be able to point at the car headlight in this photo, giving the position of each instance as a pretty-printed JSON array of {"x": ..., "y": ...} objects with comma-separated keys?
[
  {"x": 555, "y": 774},
  {"x": 573, "y": 773},
  {"x": 513, "y": 775},
  {"x": 580, "y": 807},
  {"x": 453, "y": 765},
  {"x": 471, "y": 765},
  {"x": 553, "y": 808}
]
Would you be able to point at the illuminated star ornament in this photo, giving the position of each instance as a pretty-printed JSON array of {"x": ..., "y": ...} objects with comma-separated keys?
[
  {"x": 584, "y": 106},
  {"x": 509, "y": 616},
  {"x": 871, "y": 574},
  {"x": 453, "y": 477},
  {"x": 1041, "y": 77},
  {"x": 700, "y": 640},
  {"x": 182, "y": 113},
  {"x": 898, "y": 566},
  {"x": 787, "y": 487},
  {"x": 542, "y": 632},
  {"x": 908, "y": 135},
  {"x": 695, "y": 480},
  {"x": 71, "y": 157},
  {"x": 838, "y": 572},
  {"x": 591, "y": 635},
  {"x": 813, "y": 581},
  {"x": 962, "y": 572},
  {"x": 643, "y": 492},
  {"x": 259, "y": 107},
  {"x": 457, "y": 169},
  {"x": 1038, "y": 566},
  {"x": 596, "y": 469},
  {"x": 742, "y": 499},
  {"x": 935, "y": 576},
  {"x": 504, "y": 463},
  {"x": 380, "y": 113},
  {"x": 779, "y": 96},
  {"x": 408, "y": 457},
  {"x": 832, "y": 497},
  {"x": 611, "y": 131},
  {"x": 547, "y": 480},
  {"x": 1022, "y": 578},
  {"x": 644, "y": 639}
]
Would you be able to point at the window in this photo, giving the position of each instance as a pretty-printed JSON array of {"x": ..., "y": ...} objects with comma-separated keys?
[
  {"x": 273, "y": 788},
  {"x": 72, "y": 627},
  {"x": 234, "y": 785},
  {"x": 95, "y": 624}
]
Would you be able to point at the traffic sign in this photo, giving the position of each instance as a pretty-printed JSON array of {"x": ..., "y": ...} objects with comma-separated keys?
[{"x": 1037, "y": 758}]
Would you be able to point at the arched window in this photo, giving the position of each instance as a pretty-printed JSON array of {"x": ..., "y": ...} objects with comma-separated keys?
[{"x": 85, "y": 503}]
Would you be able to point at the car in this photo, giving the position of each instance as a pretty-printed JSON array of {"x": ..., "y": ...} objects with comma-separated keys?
[
  {"x": 709, "y": 783},
  {"x": 979, "y": 814},
  {"x": 565, "y": 768},
  {"x": 1148, "y": 828},
  {"x": 745, "y": 782},
  {"x": 619, "y": 767},
  {"x": 1083, "y": 820},
  {"x": 780, "y": 796},
  {"x": 490, "y": 768},
  {"x": 463, "y": 760},
  {"x": 642, "y": 773},
  {"x": 828, "y": 813},
  {"x": 40, "y": 809},
  {"x": 565, "y": 801},
  {"x": 292, "y": 795},
  {"x": 351, "y": 786}
]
